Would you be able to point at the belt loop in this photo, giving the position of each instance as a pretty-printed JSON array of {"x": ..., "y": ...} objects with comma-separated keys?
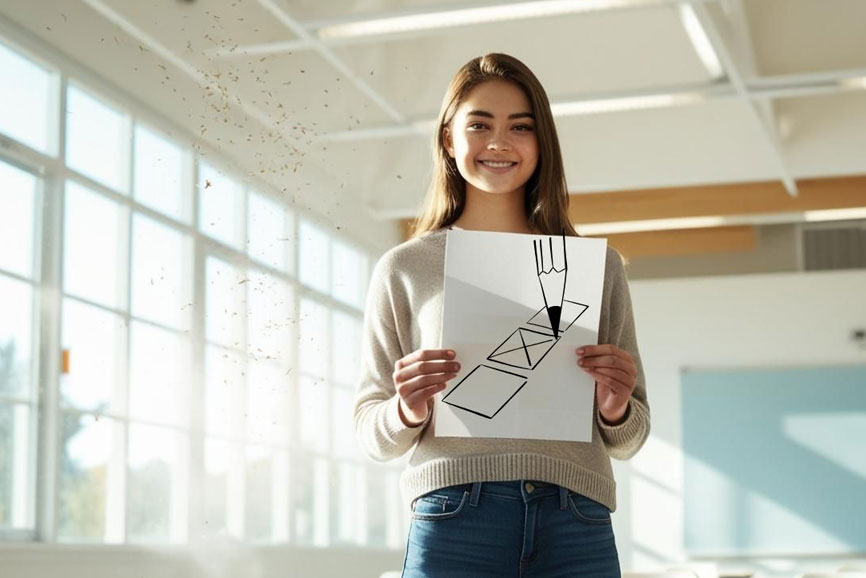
[
  {"x": 563, "y": 498},
  {"x": 476, "y": 493}
]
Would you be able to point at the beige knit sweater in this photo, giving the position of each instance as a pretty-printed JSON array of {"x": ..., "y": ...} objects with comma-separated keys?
[{"x": 404, "y": 313}]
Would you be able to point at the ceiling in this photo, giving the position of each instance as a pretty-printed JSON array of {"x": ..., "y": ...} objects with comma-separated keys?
[{"x": 347, "y": 120}]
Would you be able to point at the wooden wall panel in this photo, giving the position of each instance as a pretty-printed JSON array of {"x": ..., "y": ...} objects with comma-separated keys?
[
  {"x": 684, "y": 241},
  {"x": 736, "y": 199}
]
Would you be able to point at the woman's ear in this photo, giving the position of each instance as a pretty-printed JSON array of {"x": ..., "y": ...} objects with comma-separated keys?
[{"x": 447, "y": 142}]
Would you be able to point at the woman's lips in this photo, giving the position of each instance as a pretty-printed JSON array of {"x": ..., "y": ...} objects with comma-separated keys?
[{"x": 497, "y": 169}]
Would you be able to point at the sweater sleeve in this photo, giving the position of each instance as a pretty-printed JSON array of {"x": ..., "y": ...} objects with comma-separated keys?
[
  {"x": 623, "y": 440},
  {"x": 378, "y": 427}
]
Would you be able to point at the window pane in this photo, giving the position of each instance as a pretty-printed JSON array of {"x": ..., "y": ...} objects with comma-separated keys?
[
  {"x": 17, "y": 200},
  {"x": 154, "y": 459},
  {"x": 310, "y": 501},
  {"x": 259, "y": 493},
  {"x": 161, "y": 266},
  {"x": 313, "y": 338},
  {"x": 398, "y": 527},
  {"x": 267, "y": 403},
  {"x": 268, "y": 228},
  {"x": 16, "y": 479},
  {"x": 313, "y": 256},
  {"x": 159, "y": 375},
  {"x": 95, "y": 340},
  {"x": 313, "y": 410},
  {"x": 348, "y": 513},
  {"x": 16, "y": 327},
  {"x": 349, "y": 272},
  {"x": 97, "y": 140},
  {"x": 159, "y": 179},
  {"x": 346, "y": 352},
  {"x": 221, "y": 207},
  {"x": 270, "y": 319},
  {"x": 84, "y": 462},
  {"x": 342, "y": 424},
  {"x": 225, "y": 309},
  {"x": 93, "y": 247},
  {"x": 25, "y": 93},
  {"x": 224, "y": 370},
  {"x": 218, "y": 467}
]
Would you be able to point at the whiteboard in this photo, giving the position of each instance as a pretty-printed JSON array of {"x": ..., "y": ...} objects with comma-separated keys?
[{"x": 775, "y": 461}]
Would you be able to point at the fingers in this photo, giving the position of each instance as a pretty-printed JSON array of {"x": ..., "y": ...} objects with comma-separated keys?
[
  {"x": 614, "y": 379},
  {"x": 610, "y": 356},
  {"x": 423, "y": 355},
  {"x": 417, "y": 397},
  {"x": 422, "y": 374},
  {"x": 425, "y": 361}
]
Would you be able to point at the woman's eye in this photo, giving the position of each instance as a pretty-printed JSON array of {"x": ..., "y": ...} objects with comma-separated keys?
[
  {"x": 476, "y": 125},
  {"x": 523, "y": 127}
]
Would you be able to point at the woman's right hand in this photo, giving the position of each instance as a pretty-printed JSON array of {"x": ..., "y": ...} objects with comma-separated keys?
[{"x": 418, "y": 377}]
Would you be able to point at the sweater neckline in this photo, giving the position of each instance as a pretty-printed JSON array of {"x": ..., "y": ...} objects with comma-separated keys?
[{"x": 436, "y": 237}]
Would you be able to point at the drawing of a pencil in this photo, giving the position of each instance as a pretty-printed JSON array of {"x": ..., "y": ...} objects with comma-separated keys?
[{"x": 552, "y": 280}]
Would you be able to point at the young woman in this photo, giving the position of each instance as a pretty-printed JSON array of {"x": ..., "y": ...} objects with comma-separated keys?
[{"x": 494, "y": 507}]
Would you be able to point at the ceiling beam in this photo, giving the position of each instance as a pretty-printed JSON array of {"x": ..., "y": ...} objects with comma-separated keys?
[{"x": 765, "y": 125}]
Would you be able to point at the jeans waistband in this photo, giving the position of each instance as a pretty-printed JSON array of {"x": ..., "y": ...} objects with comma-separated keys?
[{"x": 520, "y": 489}]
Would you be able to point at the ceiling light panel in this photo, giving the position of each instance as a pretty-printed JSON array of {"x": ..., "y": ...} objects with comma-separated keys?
[
  {"x": 801, "y": 36},
  {"x": 712, "y": 142}
]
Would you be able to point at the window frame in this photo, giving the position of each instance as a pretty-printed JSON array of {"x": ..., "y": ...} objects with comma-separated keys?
[{"x": 52, "y": 172}]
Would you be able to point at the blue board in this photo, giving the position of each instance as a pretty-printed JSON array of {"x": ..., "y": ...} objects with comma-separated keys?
[{"x": 775, "y": 461}]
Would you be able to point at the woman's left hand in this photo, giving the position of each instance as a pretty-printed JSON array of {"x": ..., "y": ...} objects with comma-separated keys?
[{"x": 614, "y": 372}]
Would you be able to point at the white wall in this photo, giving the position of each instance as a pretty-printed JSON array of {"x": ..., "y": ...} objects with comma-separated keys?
[{"x": 770, "y": 320}]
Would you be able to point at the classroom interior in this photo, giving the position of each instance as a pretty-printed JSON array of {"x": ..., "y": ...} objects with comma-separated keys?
[{"x": 193, "y": 194}]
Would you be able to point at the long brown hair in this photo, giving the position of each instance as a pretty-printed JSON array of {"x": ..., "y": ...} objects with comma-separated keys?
[{"x": 546, "y": 194}]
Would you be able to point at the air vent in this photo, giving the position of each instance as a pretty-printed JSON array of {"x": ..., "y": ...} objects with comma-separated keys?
[{"x": 829, "y": 246}]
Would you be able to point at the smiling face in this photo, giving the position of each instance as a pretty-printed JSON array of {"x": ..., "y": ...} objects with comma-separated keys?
[{"x": 492, "y": 139}]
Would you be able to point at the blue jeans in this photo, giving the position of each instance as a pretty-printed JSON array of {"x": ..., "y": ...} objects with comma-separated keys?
[{"x": 522, "y": 529}]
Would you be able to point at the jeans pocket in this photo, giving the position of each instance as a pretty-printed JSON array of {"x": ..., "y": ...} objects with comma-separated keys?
[
  {"x": 587, "y": 510},
  {"x": 439, "y": 506}
]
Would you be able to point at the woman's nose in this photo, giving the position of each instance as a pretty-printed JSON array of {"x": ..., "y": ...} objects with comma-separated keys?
[{"x": 498, "y": 142}]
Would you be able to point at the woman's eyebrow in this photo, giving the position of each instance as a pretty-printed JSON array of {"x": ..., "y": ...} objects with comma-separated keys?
[{"x": 510, "y": 116}]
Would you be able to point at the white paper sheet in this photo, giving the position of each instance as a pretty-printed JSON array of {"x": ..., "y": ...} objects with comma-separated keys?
[{"x": 519, "y": 378}]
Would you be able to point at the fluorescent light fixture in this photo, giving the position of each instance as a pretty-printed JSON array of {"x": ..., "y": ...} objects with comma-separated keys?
[
  {"x": 614, "y": 228},
  {"x": 835, "y": 214},
  {"x": 855, "y": 83},
  {"x": 700, "y": 41},
  {"x": 625, "y": 103},
  {"x": 469, "y": 16},
  {"x": 650, "y": 225}
]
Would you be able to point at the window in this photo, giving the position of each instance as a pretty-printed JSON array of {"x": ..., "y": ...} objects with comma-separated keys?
[
  {"x": 221, "y": 206},
  {"x": 160, "y": 174},
  {"x": 270, "y": 226},
  {"x": 18, "y": 346},
  {"x": 94, "y": 256},
  {"x": 362, "y": 506},
  {"x": 97, "y": 139},
  {"x": 207, "y": 341},
  {"x": 27, "y": 95}
]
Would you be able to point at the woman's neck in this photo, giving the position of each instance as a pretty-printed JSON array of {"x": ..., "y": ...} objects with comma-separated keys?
[{"x": 494, "y": 212}]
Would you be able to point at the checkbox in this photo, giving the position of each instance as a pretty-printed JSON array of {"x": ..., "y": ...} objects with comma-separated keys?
[{"x": 485, "y": 391}]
